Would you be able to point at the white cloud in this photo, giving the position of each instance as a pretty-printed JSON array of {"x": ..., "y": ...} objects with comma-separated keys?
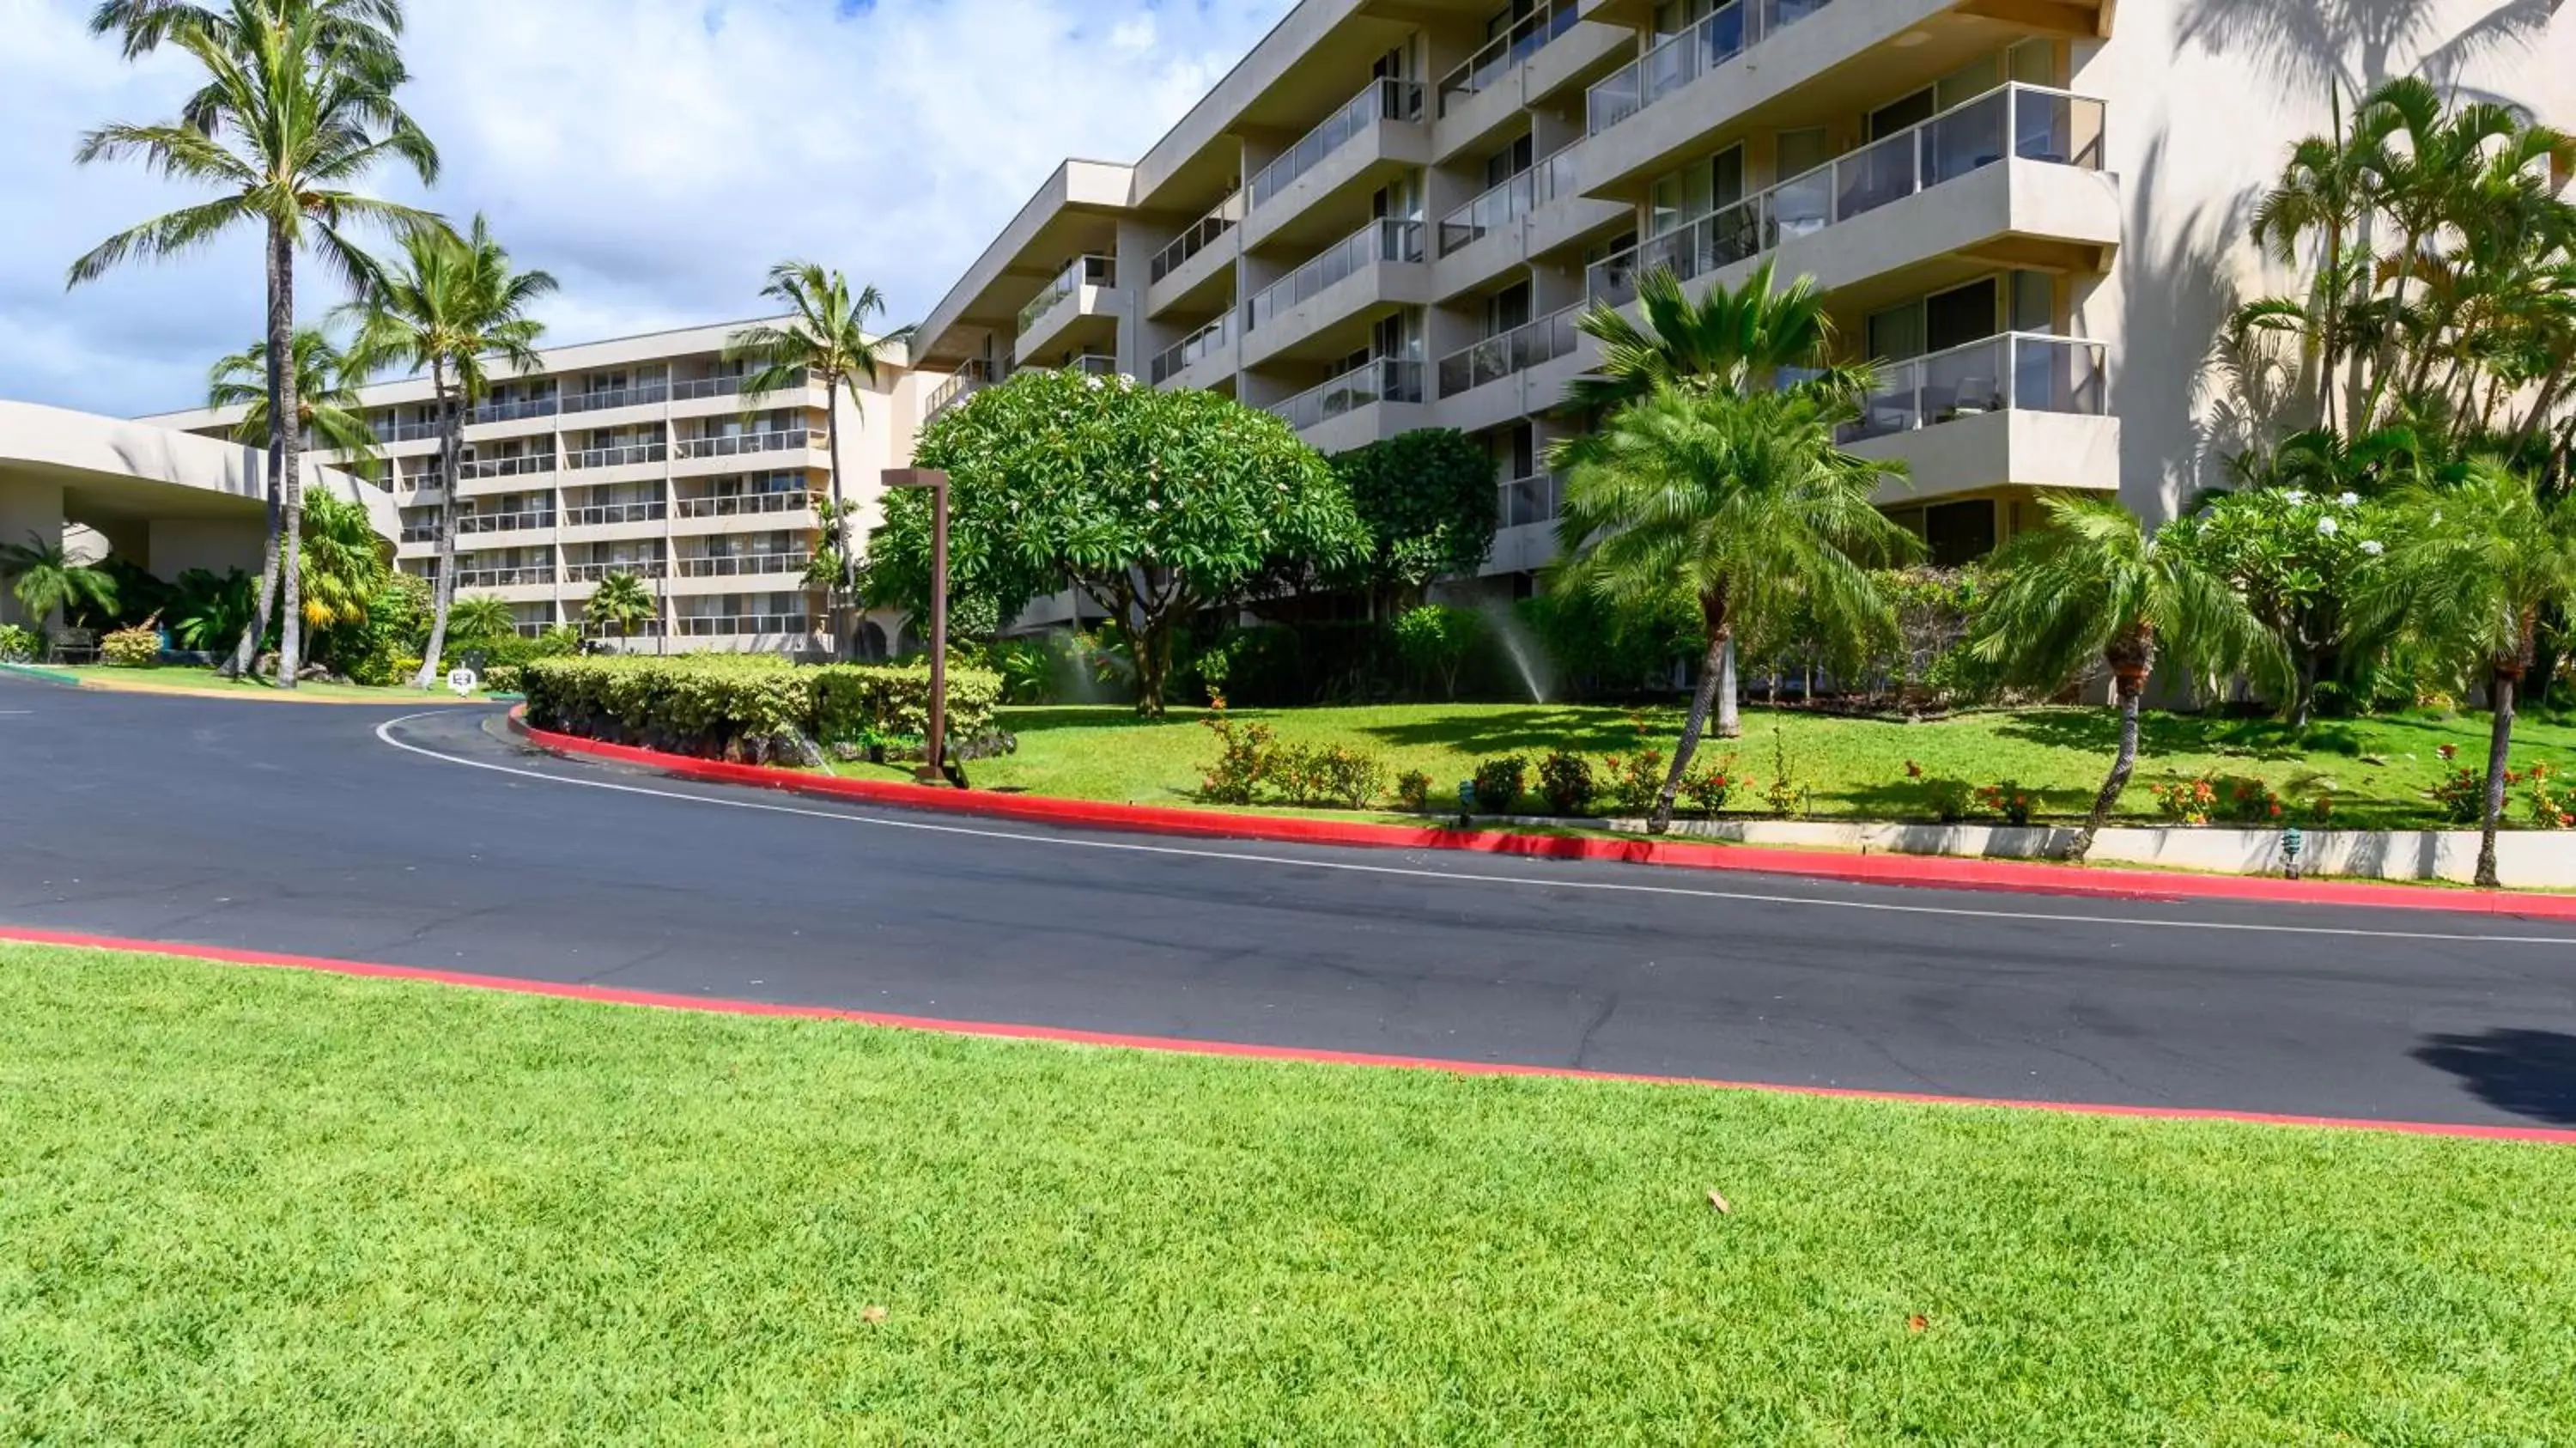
[{"x": 656, "y": 155}]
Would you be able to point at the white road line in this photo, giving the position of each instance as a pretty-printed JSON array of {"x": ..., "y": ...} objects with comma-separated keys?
[{"x": 385, "y": 734}]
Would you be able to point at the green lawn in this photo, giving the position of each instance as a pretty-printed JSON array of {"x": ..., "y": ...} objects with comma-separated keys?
[
  {"x": 249, "y": 1206},
  {"x": 2380, "y": 768},
  {"x": 195, "y": 680}
]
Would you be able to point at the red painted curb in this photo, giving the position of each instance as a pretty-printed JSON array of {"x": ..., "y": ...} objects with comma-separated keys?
[
  {"x": 1928, "y": 872},
  {"x": 1182, "y": 1045}
]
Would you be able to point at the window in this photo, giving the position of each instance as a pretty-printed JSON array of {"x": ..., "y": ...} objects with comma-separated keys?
[
  {"x": 1507, "y": 309},
  {"x": 1510, "y": 161},
  {"x": 1957, "y": 534}
]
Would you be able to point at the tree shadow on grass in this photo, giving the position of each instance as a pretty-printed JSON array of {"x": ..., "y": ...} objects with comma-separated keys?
[
  {"x": 1532, "y": 731},
  {"x": 2097, "y": 731},
  {"x": 2529, "y": 1073}
]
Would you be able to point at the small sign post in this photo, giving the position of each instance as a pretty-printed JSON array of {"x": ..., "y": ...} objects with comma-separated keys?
[
  {"x": 461, "y": 682},
  {"x": 2293, "y": 840},
  {"x": 1466, "y": 803}
]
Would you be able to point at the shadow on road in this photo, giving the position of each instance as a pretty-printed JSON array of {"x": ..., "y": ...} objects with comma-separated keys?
[{"x": 2529, "y": 1073}]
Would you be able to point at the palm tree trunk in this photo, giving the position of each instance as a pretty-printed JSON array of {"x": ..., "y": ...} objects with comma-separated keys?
[
  {"x": 844, "y": 634},
  {"x": 1730, "y": 725},
  {"x": 246, "y": 652},
  {"x": 1713, "y": 675},
  {"x": 286, "y": 426},
  {"x": 2499, "y": 757},
  {"x": 2131, "y": 690},
  {"x": 451, "y": 455}
]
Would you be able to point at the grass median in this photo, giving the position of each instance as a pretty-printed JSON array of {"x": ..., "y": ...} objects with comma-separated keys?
[{"x": 261, "y": 1206}]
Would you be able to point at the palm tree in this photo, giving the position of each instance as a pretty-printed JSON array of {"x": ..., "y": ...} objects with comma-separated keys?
[
  {"x": 2327, "y": 188},
  {"x": 1742, "y": 504},
  {"x": 326, "y": 395},
  {"x": 824, "y": 337},
  {"x": 482, "y": 618},
  {"x": 345, "y": 562},
  {"x": 622, "y": 603},
  {"x": 2094, "y": 586},
  {"x": 449, "y": 306},
  {"x": 43, "y": 578},
  {"x": 2483, "y": 559},
  {"x": 298, "y": 103}
]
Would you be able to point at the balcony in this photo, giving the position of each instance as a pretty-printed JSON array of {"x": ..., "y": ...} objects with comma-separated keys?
[
  {"x": 513, "y": 411},
  {"x": 1375, "y": 134},
  {"x": 532, "y": 465},
  {"x": 394, "y": 432},
  {"x": 1384, "y": 379},
  {"x": 614, "y": 514},
  {"x": 744, "y": 625},
  {"x": 1380, "y": 100},
  {"x": 531, "y": 576},
  {"x": 1215, "y": 340},
  {"x": 1506, "y": 204},
  {"x": 967, "y": 381},
  {"x": 504, "y": 522},
  {"x": 1531, "y": 501},
  {"x": 748, "y": 444},
  {"x": 630, "y": 455},
  {"x": 1726, "y": 33},
  {"x": 748, "y": 565},
  {"x": 745, "y": 505},
  {"x": 1082, "y": 290},
  {"x": 1511, "y": 353},
  {"x": 601, "y": 572},
  {"x": 420, "y": 533},
  {"x": 647, "y": 394},
  {"x": 1373, "y": 268},
  {"x": 697, "y": 389},
  {"x": 2054, "y": 132},
  {"x": 2017, "y": 410},
  {"x": 1502, "y": 54}
]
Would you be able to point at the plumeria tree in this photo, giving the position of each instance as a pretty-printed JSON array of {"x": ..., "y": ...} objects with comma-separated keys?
[
  {"x": 2296, "y": 558},
  {"x": 1152, "y": 505}
]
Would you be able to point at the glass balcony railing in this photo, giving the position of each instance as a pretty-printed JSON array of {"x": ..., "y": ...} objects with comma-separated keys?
[
  {"x": 642, "y": 394},
  {"x": 505, "y": 522},
  {"x": 387, "y": 434},
  {"x": 1383, "y": 379},
  {"x": 618, "y": 457},
  {"x": 1509, "y": 202},
  {"x": 1383, "y": 100},
  {"x": 1510, "y": 353},
  {"x": 598, "y": 572},
  {"x": 745, "y": 565},
  {"x": 513, "y": 411},
  {"x": 697, "y": 388},
  {"x": 2030, "y": 123},
  {"x": 1191, "y": 350},
  {"x": 2013, "y": 372},
  {"x": 507, "y": 467},
  {"x": 531, "y": 576},
  {"x": 1536, "y": 499},
  {"x": 1203, "y": 233},
  {"x": 744, "y": 505},
  {"x": 1082, "y": 271},
  {"x": 744, "y": 625},
  {"x": 1092, "y": 364},
  {"x": 420, "y": 533},
  {"x": 1726, "y": 33},
  {"x": 1527, "y": 37},
  {"x": 967, "y": 381},
  {"x": 608, "y": 513},
  {"x": 1376, "y": 242},
  {"x": 747, "y": 443}
]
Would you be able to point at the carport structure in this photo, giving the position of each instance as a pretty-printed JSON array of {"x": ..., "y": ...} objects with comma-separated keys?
[{"x": 166, "y": 501}]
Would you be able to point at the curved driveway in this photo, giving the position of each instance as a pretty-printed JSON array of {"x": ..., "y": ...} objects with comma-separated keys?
[{"x": 300, "y": 830}]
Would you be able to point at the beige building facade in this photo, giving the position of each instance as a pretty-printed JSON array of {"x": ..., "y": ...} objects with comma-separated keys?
[
  {"x": 640, "y": 456},
  {"x": 2033, "y": 213}
]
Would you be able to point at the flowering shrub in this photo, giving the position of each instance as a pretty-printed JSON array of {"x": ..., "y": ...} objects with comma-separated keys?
[
  {"x": 1331, "y": 775},
  {"x": 1634, "y": 780},
  {"x": 2461, "y": 795},
  {"x": 1413, "y": 791},
  {"x": 1785, "y": 795},
  {"x": 2008, "y": 801},
  {"x": 2186, "y": 801},
  {"x": 130, "y": 648},
  {"x": 1946, "y": 800},
  {"x": 2247, "y": 802},
  {"x": 1499, "y": 783},
  {"x": 1247, "y": 757},
  {"x": 1708, "y": 790},
  {"x": 2551, "y": 801},
  {"x": 1565, "y": 782}
]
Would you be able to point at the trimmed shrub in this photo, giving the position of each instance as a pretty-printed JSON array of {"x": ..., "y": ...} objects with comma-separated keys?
[
  {"x": 130, "y": 648},
  {"x": 747, "y": 707},
  {"x": 1499, "y": 783},
  {"x": 19, "y": 645},
  {"x": 503, "y": 679},
  {"x": 1413, "y": 791},
  {"x": 1565, "y": 782}
]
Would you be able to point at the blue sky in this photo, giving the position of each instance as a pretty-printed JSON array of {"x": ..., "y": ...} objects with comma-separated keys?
[{"x": 655, "y": 155}]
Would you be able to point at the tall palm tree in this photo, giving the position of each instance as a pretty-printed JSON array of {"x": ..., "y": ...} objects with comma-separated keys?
[
  {"x": 298, "y": 103},
  {"x": 326, "y": 394},
  {"x": 2326, "y": 190},
  {"x": 448, "y": 307},
  {"x": 622, "y": 603},
  {"x": 2095, "y": 587},
  {"x": 43, "y": 578},
  {"x": 1742, "y": 504},
  {"x": 824, "y": 336},
  {"x": 2484, "y": 558}
]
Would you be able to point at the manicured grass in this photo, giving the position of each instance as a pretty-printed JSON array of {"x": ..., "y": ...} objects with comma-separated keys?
[
  {"x": 1854, "y": 767},
  {"x": 253, "y": 1206},
  {"x": 205, "y": 681}
]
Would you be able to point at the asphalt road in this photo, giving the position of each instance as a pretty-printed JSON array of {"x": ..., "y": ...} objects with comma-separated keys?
[{"x": 302, "y": 830}]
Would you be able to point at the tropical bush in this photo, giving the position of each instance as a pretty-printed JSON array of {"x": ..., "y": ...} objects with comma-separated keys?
[
  {"x": 1246, "y": 755},
  {"x": 504, "y": 679},
  {"x": 1565, "y": 783},
  {"x": 1708, "y": 789},
  {"x": 1944, "y": 799},
  {"x": 1632, "y": 780},
  {"x": 1327, "y": 775},
  {"x": 19, "y": 645},
  {"x": 749, "y": 707},
  {"x": 2008, "y": 801},
  {"x": 1413, "y": 791},
  {"x": 130, "y": 648},
  {"x": 1436, "y": 640},
  {"x": 1499, "y": 783}
]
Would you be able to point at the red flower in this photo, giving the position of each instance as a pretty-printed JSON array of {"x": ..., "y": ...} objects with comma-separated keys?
[{"x": 1913, "y": 770}]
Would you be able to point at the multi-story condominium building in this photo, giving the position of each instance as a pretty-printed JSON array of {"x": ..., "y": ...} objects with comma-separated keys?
[
  {"x": 639, "y": 456},
  {"x": 2033, "y": 213}
]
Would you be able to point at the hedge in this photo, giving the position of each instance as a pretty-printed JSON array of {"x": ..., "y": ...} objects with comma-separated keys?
[{"x": 747, "y": 707}]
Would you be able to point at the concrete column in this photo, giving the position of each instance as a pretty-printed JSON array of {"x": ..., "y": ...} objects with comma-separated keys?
[{"x": 27, "y": 507}]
